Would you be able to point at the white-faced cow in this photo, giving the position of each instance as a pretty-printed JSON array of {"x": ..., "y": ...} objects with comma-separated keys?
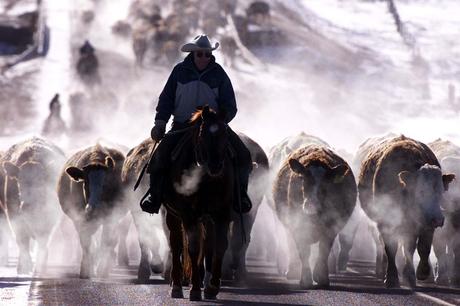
[
  {"x": 314, "y": 195},
  {"x": 401, "y": 188},
  {"x": 446, "y": 241},
  {"x": 29, "y": 198},
  {"x": 90, "y": 193}
]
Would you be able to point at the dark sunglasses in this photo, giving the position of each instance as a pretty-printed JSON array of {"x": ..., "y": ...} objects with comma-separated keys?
[{"x": 200, "y": 54}]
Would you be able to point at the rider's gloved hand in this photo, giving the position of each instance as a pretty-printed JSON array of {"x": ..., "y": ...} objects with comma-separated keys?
[{"x": 158, "y": 131}]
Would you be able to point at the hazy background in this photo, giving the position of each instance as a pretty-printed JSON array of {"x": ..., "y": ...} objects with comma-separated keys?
[{"x": 347, "y": 75}]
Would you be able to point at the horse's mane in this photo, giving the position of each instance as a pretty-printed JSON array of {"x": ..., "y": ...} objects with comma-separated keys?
[{"x": 197, "y": 118}]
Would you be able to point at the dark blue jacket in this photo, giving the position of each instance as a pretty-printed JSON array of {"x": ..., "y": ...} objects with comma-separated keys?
[{"x": 187, "y": 88}]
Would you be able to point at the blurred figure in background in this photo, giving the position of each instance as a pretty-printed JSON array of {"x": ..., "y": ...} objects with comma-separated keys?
[
  {"x": 88, "y": 65},
  {"x": 54, "y": 125}
]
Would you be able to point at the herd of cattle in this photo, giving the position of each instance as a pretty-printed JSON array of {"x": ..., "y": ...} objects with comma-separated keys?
[
  {"x": 156, "y": 34},
  {"x": 397, "y": 181}
]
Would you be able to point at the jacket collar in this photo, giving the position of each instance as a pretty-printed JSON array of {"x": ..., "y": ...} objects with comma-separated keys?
[{"x": 188, "y": 63}]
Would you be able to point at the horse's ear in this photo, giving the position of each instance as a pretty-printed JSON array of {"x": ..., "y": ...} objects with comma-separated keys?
[
  {"x": 205, "y": 112},
  {"x": 222, "y": 114}
]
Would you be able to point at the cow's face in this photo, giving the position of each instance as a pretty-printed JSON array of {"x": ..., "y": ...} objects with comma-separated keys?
[
  {"x": 451, "y": 201},
  {"x": 96, "y": 184},
  {"x": 32, "y": 180},
  {"x": 318, "y": 182},
  {"x": 425, "y": 187}
]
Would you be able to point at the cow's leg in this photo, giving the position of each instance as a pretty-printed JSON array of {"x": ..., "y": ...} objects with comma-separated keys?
[
  {"x": 176, "y": 245},
  {"x": 440, "y": 250},
  {"x": 345, "y": 242},
  {"x": 144, "y": 232},
  {"x": 321, "y": 271},
  {"x": 86, "y": 266},
  {"x": 42, "y": 255},
  {"x": 303, "y": 247},
  {"x": 4, "y": 230},
  {"x": 240, "y": 265},
  {"x": 409, "y": 243},
  {"x": 424, "y": 243},
  {"x": 293, "y": 268},
  {"x": 24, "y": 260},
  {"x": 391, "y": 247},
  {"x": 455, "y": 243},
  {"x": 381, "y": 261},
  {"x": 195, "y": 238},
  {"x": 107, "y": 249},
  {"x": 221, "y": 244},
  {"x": 123, "y": 230}
]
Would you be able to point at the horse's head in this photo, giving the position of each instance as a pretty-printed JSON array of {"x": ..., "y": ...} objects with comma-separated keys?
[{"x": 211, "y": 140}]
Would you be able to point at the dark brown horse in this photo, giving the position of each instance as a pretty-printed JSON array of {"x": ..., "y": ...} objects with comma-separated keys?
[{"x": 199, "y": 194}]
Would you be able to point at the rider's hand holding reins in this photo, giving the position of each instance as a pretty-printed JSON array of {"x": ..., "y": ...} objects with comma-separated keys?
[{"x": 158, "y": 131}]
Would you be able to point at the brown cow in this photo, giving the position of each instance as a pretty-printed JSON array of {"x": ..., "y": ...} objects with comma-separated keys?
[
  {"x": 30, "y": 203},
  {"x": 446, "y": 240},
  {"x": 145, "y": 224},
  {"x": 90, "y": 193},
  {"x": 400, "y": 188},
  {"x": 277, "y": 156},
  {"x": 314, "y": 195}
]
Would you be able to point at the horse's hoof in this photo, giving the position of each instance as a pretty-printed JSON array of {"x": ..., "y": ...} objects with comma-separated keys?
[
  {"x": 210, "y": 292},
  {"x": 177, "y": 293},
  {"x": 392, "y": 282},
  {"x": 423, "y": 271},
  {"x": 195, "y": 295}
]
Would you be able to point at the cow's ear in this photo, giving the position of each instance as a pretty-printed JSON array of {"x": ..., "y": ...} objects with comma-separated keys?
[
  {"x": 109, "y": 162},
  {"x": 447, "y": 179},
  {"x": 75, "y": 173},
  {"x": 11, "y": 169},
  {"x": 296, "y": 166},
  {"x": 405, "y": 178},
  {"x": 339, "y": 173}
]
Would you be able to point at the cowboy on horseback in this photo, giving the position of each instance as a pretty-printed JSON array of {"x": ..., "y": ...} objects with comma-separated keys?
[{"x": 195, "y": 82}]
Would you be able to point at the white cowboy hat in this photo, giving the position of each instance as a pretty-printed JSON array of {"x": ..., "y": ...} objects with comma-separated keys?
[{"x": 200, "y": 42}]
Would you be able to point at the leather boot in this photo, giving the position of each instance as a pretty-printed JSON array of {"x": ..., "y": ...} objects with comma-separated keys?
[
  {"x": 246, "y": 203},
  {"x": 152, "y": 203}
]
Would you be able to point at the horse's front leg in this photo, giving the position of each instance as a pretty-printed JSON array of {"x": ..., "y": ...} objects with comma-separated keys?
[
  {"x": 176, "y": 245},
  {"x": 220, "y": 246},
  {"x": 195, "y": 237}
]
